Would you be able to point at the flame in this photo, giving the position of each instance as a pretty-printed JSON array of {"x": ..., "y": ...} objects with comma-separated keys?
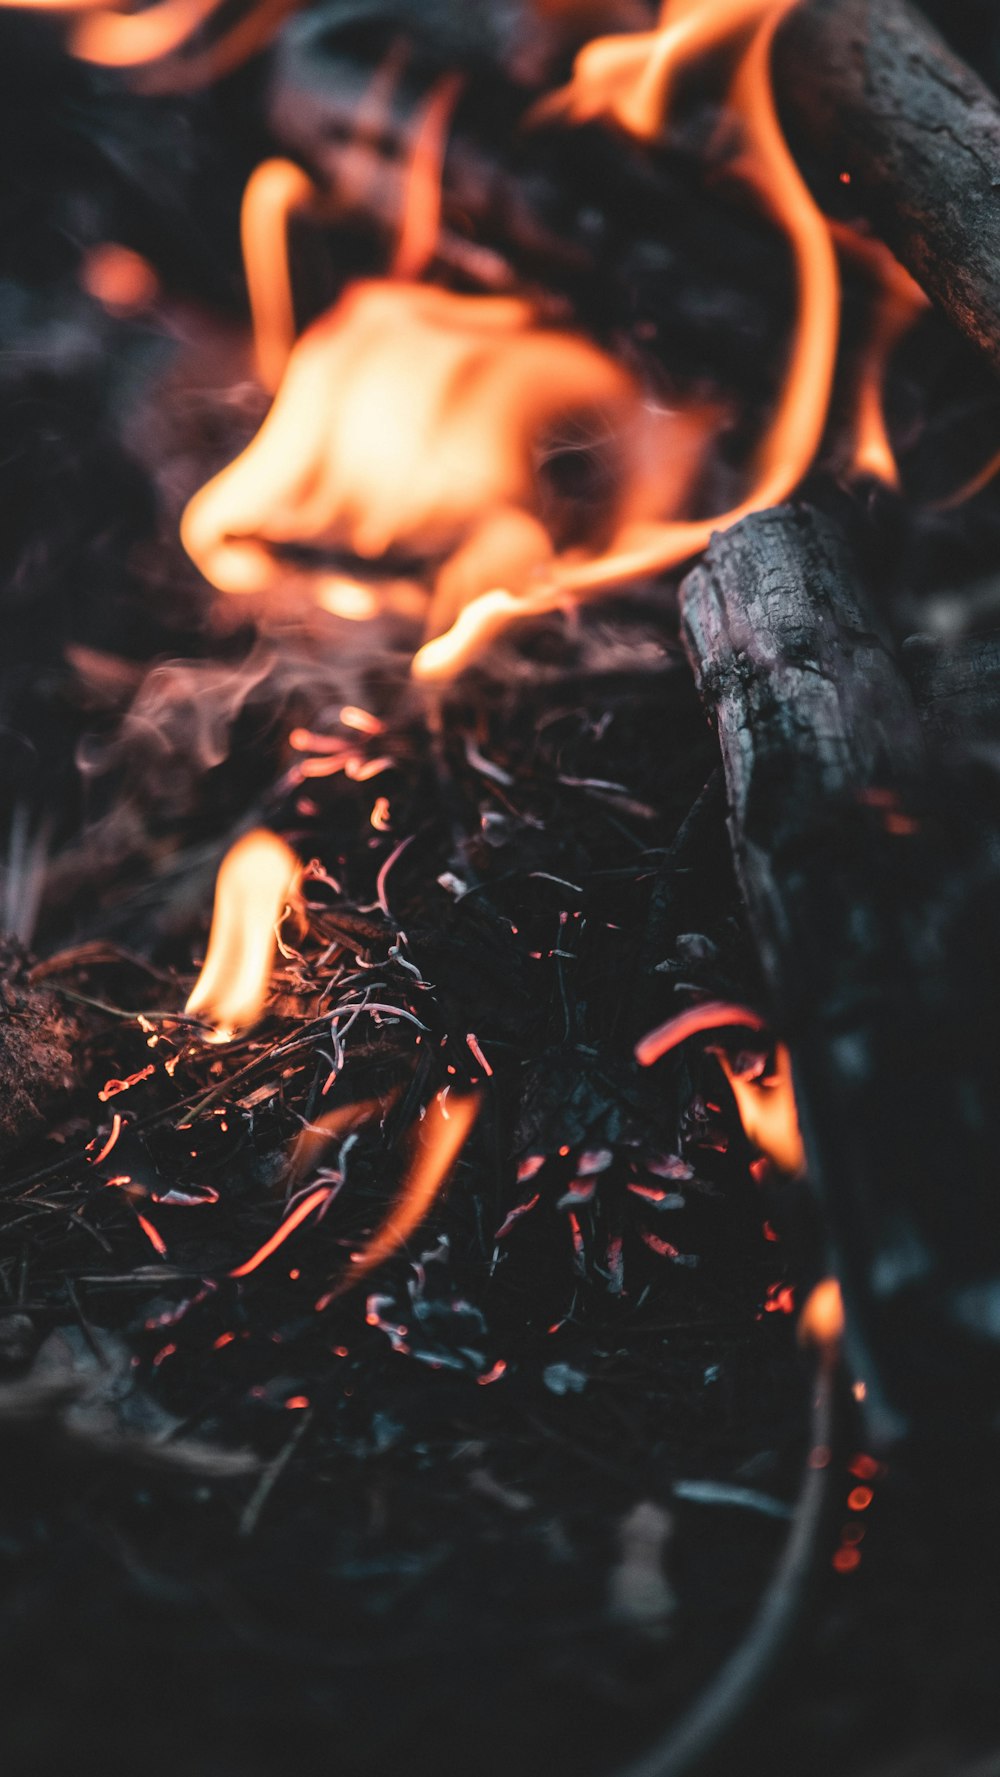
[
  {"x": 119, "y": 38},
  {"x": 896, "y": 304},
  {"x": 796, "y": 429},
  {"x": 768, "y": 1113},
  {"x": 441, "y": 1138},
  {"x": 766, "y": 1102},
  {"x": 422, "y": 197},
  {"x": 275, "y": 191},
  {"x": 409, "y": 420},
  {"x": 255, "y": 880},
  {"x": 628, "y": 79}
]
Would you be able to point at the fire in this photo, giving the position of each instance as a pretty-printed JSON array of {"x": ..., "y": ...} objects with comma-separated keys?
[
  {"x": 796, "y": 429},
  {"x": 167, "y": 32},
  {"x": 897, "y": 303},
  {"x": 765, "y": 1101},
  {"x": 768, "y": 1113},
  {"x": 256, "y": 878},
  {"x": 822, "y": 1319},
  {"x": 413, "y": 423},
  {"x": 442, "y": 1137}
]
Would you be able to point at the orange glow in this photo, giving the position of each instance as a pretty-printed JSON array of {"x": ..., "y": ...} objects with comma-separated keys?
[
  {"x": 125, "y": 39},
  {"x": 796, "y": 429},
  {"x": 409, "y": 419},
  {"x": 318, "y": 1135},
  {"x": 274, "y": 192},
  {"x": 120, "y": 280},
  {"x": 298, "y": 1215},
  {"x": 153, "y": 1235},
  {"x": 422, "y": 197},
  {"x": 859, "y": 1499},
  {"x": 440, "y": 1140},
  {"x": 897, "y": 302},
  {"x": 255, "y": 880},
  {"x": 628, "y": 79},
  {"x": 822, "y": 1319},
  {"x": 766, "y": 1104},
  {"x": 158, "y": 39},
  {"x": 709, "y": 1015}
]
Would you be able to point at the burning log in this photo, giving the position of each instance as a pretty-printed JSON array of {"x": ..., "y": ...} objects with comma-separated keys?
[
  {"x": 874, "y": 88},
  {"x": 859, "y": 919}
]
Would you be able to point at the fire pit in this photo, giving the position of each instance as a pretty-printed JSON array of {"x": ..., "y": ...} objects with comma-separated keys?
[{"x": 499, "y": 885}]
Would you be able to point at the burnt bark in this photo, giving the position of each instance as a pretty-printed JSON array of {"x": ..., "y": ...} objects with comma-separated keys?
[
  {"x": 863, "y": 903},
  {"x": 872, "y": 86}
]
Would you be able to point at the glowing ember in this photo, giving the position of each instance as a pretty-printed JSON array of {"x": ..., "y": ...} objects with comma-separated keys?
[
  {"x": 119, "y": 279},
  {"x": 293, "y": 1220},
  {"x": 822, "y": 1319},
  {"x": 710, "y": 1015},
  {"x": 255, "y": 880}
]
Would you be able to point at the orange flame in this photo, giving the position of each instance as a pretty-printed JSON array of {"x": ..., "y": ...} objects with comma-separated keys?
[
  {"x": 768, "y": 1113},
  {"x": 422, "y": 198},
  {"x": 897, "y": 303},
  {"x": 796, "y": 429},
  {"x": 410, "y": 419},
  {"x": 766, "y": 1102},
  {"x": 275, "y": 191},
  {"x": 293, "y": 1220},
  {"x": 255, "y": 880},
  {"x": 441, "y": 1138},
  {"x": 118, "y": 38}
]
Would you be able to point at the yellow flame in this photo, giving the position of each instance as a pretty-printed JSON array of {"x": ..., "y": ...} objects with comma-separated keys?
[
  {"x": 768, "y": 1113},
  {"x": 407, "y": 418},
  {"x": 255, "y": 880}
]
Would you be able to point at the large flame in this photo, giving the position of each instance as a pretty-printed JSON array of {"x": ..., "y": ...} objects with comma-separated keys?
[
  {"x": 412, "y": 422},
  {"x": 796, "y": 429},
  {"x": 255, "y": 880}
]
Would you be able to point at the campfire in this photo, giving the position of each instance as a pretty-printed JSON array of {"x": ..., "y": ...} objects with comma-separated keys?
[{"x": 500, "y": 727}]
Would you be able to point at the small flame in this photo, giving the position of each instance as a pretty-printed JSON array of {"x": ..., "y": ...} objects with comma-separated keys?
[
  {"x": 897, "y": 303},
  {"x": 275, "y": 191},
  {"x": 254, "y": 883},
  {"x": 768, "y": 1113},
  {"x": 163, "y": 34},
  {"x": 441, "y": 1138},
  {"x": 766, "y": 1102}
]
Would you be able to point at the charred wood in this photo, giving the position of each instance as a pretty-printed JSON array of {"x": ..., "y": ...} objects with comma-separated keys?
[
  {"x": 862, "y": 901},
  {"x": 874, "y": 89}
]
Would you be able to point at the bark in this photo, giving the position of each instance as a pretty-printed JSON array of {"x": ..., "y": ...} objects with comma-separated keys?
[
  {"x": 871, "y": 86},
  {"x": 868, "y": 915}
]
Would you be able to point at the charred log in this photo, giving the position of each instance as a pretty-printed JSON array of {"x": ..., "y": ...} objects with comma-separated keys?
[
  {"x": 861, "y": 899},
  {"x": 871, "y": 85},
  {"x": 39, "y": 1060}
]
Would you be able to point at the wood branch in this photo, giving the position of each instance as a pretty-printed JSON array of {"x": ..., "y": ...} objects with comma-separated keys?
[
  {"x": 871, "y": 86},
  {"x": 861, "y": 917},
  {"x": 957, "y": 685}
]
